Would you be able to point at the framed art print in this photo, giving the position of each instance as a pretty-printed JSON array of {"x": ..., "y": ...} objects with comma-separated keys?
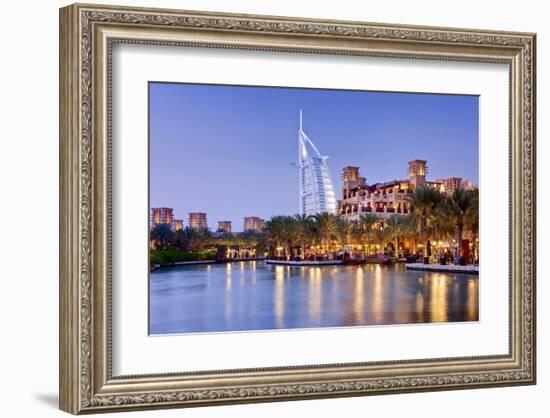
[{"x": 259, "y": 208}]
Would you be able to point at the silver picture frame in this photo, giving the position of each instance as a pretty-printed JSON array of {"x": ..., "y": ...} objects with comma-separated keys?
[{"x": 87, "y": 35}]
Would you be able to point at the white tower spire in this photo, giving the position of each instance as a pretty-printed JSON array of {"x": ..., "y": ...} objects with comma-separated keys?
[{"x": 316, "y": 191}]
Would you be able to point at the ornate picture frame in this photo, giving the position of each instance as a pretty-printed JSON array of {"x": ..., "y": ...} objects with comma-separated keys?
[{"x": 87, "y": 34}]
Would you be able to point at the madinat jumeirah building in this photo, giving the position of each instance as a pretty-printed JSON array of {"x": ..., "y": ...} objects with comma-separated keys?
[{"x": 392, "y": 197}]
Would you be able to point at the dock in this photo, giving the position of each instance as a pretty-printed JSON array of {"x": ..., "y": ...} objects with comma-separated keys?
[
  {"x": 444, "y": 268},
  {"x": 305, "y": 262}
]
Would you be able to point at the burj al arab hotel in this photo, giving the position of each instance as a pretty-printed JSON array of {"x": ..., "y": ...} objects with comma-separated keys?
[{"x": 316, "y": 190}]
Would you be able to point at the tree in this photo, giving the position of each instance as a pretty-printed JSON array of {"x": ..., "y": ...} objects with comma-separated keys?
[
  {"x": 457, "y": 206},
  {"x": 250, "y": 240},
  {"x": 365, "y": 227},
  {"x": 282, "y": 232},
  {"x": 381, "y": 236},
  {"x": 291, "y": 234},
  {"x": 328, "y": 226},
  {"x": 471, "y": 220},
  {"x": 424, "y": 202},
  {"x": 396, "y": 228},
  {"x": 304, "y": 227},
  {"x": 162, "y": 234},
  {"x": 343, "y": 231}
]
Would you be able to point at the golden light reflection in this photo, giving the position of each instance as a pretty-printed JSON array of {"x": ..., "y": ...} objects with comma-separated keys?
[
  {"x": 359, "y": 301},
  {"x": 472, "y": 301},
  {"x": 253, "y": 268},
  {"x": 378, "y": 297},
  {"x": 402, "y": 312},
  {"x": 228, "y": 296},
  {"x": 242, "y": 273},
  {"x": 419, "y": 305},
  {"x": 279, "y": 296},
  {"x": 314, "y": 302},
  {"x": 228, "y": 268},
  {"x": 438, "y": 302}
]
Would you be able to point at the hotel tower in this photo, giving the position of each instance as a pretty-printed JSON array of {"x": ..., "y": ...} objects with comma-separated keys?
[{"x": 316, "y": 191}]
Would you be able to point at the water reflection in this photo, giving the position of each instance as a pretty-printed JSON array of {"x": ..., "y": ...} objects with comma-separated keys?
[
  {"x": 279, "y": 296},
  {"x": 254, "y": 296},
  {"x": 359, "y": 301},
  {"x": 314, "y": 295}
]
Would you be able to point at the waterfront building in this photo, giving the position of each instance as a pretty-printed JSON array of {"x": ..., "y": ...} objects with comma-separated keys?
[
  {"x": 450, "y": 184},
  {"x": 253, "y": 223},
  {"x": 177, "y": 224},
  {"x": 316, "y": 190},
  {"x": 161, "y": 216},
  {"x": 468, "y": 185},
  {"x": 224, "y": 226},
  {"x": 197, "y": 220},
  {"x": 392, "y": 197}
]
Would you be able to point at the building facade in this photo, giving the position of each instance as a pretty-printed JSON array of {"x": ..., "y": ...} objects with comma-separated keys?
[
  {"x": 162, "y": 216},
  {"x": 392, "y": 197},
  {"x": 224, "y": 226},
  {"x": 177, "y": 224},
  {"x": 197, "y": 220},
  {"x": 450, "y": 185},
  {"x": 316, "y": 190},
  {"x": 253, "y": 223}
]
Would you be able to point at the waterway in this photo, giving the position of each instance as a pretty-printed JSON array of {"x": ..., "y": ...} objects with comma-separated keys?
[{"x": 252, "y": 295}]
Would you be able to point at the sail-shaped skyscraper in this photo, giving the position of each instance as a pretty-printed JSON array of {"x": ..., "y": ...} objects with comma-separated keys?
[{"x": 316, "y": 190}]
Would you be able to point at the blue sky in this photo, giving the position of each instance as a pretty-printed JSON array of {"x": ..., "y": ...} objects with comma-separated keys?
[{"x": 227, "y": 150}]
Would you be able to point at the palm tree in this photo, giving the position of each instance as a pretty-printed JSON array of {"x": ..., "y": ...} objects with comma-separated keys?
[
  {"x": 395, "y": 226},
  {"x": 275, "y": 232},
  {"x": 471, "y": 220},
  {"x": 290, "y": 234},
  {"x": 412, "y": 230},
  {"x": 365, "y": 225},
  {"x": 328, "y": 226},
  {"x": 381, "y": 236},
  {"x": 282, "y": 232},
  {"x": 304, "y": 227},
  {"x": 457, "y": 206},
  {"x": 424, "y": 201},
  {"x": 343, "y": 231}
]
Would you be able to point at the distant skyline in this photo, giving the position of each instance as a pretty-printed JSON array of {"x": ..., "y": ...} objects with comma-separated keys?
[{"x": 228, "y": 150}]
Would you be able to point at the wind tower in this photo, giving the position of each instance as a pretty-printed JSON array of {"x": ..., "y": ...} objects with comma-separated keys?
[{"x": 417, "y": 173}]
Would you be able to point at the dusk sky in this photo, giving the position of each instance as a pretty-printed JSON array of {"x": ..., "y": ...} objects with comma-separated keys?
[{"x": 228, "y": 150}]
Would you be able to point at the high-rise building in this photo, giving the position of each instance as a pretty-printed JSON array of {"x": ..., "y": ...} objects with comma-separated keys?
[
  {"x": 224, "y": 226},
  {"x": 177, "y": 224},
  {"x": 417, "y": 173},
  {"x": 253, "y": 223},
  {"x": 197, "y": 220},
  {"x": 162, "y": 216},
  {"x": 316, "y": 190}
]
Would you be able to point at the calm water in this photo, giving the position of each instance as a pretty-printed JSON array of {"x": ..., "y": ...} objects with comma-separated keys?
[{"x": 256, "y": 296}]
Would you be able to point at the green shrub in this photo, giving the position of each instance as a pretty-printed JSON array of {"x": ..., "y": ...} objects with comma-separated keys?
[{"x": 172, "y": 255}]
